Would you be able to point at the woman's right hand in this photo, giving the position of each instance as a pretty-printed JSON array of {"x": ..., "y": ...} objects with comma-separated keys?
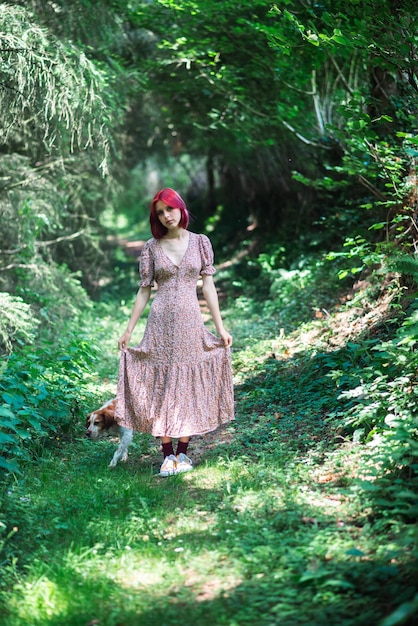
[{"x": 124, "y": 341}]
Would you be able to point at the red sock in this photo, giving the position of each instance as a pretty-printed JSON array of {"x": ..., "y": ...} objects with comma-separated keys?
[
  {"x": 167, "y": 448},
  {"x": 182, "y": 447}
]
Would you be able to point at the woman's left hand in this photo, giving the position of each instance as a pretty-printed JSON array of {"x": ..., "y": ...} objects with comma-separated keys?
[{"x": 226, "y": 338}]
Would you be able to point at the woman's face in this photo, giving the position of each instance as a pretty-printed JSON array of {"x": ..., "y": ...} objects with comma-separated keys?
[{"x": 168, "y": 215}]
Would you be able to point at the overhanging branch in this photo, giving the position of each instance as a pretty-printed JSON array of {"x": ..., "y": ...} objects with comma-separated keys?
[{"x": 42, "y": 244}]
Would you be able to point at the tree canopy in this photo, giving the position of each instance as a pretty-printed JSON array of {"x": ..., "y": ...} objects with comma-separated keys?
[{"x": 273, "y": 119}]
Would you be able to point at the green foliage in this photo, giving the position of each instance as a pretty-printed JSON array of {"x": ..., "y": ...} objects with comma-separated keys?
[
  {"x": 294, "y": 114},
  {"x": 361, "y": 255},
  {"x": 289, "y": 291},
  {"x": 404, "y": 612},
  {"x": 63, "y": 96},
  {"x": 51, "y": 81},
  {"x": 12, "y": 438},
  {"x": 17, "y": 322},
  {"x": 48, "y": 227},
  {"x": 41, "y": 391},
  {"x": 364, "y": 389},
  {"x": 301, "y": 511},
  {"x": 318, "y": 90},
  {"x": 379, "y": 400},
  {"x": 261, "y": 537},
  {"x": 407, "y": 266},
  {"x": 275, "y": 117}
]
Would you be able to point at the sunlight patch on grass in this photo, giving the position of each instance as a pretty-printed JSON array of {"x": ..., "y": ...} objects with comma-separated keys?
[
  {"x": 38, "y": 599},
  {"x": 208, "y": 476},
  {"x": 205, "y": 573},
  {"x": 95, "y": 572},
  {"x": 319, "y": 500},
  {"x": 135, "y": 571},
  {"x": 208, "y": 573}
]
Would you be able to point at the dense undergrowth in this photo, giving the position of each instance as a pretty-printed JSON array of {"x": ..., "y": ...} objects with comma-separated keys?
[{"x": 301, "y": 512}]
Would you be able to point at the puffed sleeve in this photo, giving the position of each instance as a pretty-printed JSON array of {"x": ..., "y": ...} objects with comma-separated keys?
[
  {"x": 206, "y": 255},
  {"x": 146, "y": 265}
]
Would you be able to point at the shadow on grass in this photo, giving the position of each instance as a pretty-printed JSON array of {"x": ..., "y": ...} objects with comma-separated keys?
[
  {"x": 234, "y": 543},
  {"x": 284, "y": 592}
]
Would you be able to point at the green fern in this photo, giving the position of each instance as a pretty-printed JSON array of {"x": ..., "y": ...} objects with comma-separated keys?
[
  {"x": 407, "y": 265},
  {"x": 16, "y": 322}
]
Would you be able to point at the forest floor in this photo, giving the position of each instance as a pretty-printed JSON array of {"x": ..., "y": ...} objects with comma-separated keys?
[{"x": 272, "y": 527}]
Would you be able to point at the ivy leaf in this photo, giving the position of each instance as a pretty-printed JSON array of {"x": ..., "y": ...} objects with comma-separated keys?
[{"x": 10, "y": 466}]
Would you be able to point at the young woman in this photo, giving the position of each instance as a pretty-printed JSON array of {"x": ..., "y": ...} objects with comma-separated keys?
[{"x": 178, "y": 381}]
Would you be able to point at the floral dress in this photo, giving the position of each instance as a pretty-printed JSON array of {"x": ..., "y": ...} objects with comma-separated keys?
[{"x": 178, "y": 381}]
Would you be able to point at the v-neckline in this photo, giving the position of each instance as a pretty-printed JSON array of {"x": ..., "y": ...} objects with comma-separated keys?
[{"x": 169, "y": 258}]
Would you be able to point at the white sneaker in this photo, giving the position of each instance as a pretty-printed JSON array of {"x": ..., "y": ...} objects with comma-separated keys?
[
  {"x": 184, "y": 464},
  {"x": 169, "y": 466}
]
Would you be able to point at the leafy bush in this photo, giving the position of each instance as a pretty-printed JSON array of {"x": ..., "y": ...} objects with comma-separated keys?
[
  {"x": 17, "y": 322},
  {"x": 42, "y": 389},
  {"x": 298, "y": 293}
]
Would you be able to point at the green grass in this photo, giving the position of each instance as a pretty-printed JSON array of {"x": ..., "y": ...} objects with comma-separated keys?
[
  {"x": 278, "y": 524},
  {"x": 266, "y": 535}
]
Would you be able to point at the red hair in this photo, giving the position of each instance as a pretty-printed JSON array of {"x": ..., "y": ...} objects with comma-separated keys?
[{"x": 173, "y": 199}]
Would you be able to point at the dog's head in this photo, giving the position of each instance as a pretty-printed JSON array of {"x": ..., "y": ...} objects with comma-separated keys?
[{"x": 101, "y": 422}]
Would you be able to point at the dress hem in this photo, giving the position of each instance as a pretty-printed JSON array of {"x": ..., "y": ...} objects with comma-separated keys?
[{"x": 200, "y": 433}]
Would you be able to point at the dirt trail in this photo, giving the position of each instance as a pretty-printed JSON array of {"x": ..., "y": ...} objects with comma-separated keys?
[{"x": 132, "y": 248}]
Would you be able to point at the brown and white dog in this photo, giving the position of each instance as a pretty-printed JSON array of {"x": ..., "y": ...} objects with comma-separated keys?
[{"x": 101, "y": 423}]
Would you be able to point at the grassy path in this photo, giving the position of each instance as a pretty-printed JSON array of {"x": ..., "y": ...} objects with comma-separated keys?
[
  {"x": 263, "y": 531},
  {"x": 271, "y": 528}
]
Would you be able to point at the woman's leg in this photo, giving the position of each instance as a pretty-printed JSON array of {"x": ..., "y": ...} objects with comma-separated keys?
[
  {"x": 182, "y": 444},
  {"x": 171, "y": 465},
  {"x": 167, "y": 446}
]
